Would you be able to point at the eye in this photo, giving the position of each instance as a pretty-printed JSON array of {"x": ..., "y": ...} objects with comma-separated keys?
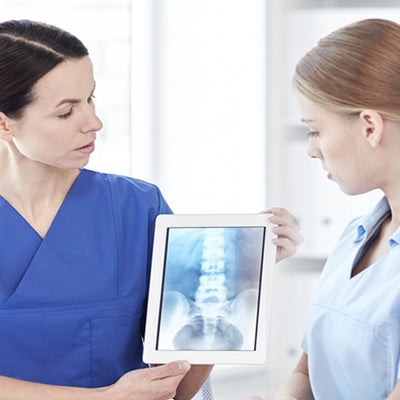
[
  {"x": 91, "y": 98},
  {"x": 312, "y": 134},
  {"x": 66, "y": 115}
]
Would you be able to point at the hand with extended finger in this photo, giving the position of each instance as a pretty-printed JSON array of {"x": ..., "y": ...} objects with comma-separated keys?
[
  {"x": 287, "y": 230},
  {"x": 157, "y": 383}
]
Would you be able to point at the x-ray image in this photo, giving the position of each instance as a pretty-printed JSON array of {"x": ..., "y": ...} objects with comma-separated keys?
[{"x": 210, "y": 296}]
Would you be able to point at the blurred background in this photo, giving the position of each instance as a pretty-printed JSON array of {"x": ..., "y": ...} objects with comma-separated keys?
[{"x": 195, "y": 96}]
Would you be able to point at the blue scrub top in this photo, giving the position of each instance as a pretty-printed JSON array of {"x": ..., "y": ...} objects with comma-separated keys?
[
  {"x": 353, "y": 332},
  {"x": 72, "y": 305}
]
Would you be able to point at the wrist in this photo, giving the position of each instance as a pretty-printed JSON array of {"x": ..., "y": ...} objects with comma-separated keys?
[{"x": 105, "y": 393}]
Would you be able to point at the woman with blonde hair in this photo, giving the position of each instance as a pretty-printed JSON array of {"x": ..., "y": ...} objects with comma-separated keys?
[{"x": 348, "y": 88}]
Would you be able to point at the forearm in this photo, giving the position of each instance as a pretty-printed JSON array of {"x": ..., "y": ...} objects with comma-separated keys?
[
  {"x": 15, "y": 389},
  {"x": 395, "y": 395},
  {"x": 192, "y": 382},
  {"x": 296, "y": 388}
]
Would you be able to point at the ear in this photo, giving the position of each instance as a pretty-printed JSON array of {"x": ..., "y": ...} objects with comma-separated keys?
[
  {"x": 5, "y": 128},
  {"x": 372, "y": 126}
]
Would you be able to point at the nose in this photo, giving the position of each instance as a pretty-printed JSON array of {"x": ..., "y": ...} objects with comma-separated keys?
[
  {"x": 91, "y": 123},
  {"x": 313, "y": 149}
]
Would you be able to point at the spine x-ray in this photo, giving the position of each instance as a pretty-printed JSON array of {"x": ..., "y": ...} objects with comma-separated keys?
[{"x": 211, "y": 286}]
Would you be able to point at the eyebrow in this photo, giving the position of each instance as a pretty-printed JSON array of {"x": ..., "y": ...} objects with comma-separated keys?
[
  {"x": 69, "y": 101},
  {"x": 74, "y": 101},
  {"x": 305, "y": 120}
]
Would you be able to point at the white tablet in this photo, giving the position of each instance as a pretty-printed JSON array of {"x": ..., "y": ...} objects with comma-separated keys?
[{"x": 210, "y": 289}]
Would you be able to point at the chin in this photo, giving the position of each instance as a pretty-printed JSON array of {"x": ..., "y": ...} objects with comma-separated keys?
[
  {"x": 80, "y": 164},
  {"x": 353, "y": 191}
]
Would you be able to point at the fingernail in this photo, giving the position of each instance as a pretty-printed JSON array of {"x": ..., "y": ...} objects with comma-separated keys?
[{"x": 184, "y": 366}]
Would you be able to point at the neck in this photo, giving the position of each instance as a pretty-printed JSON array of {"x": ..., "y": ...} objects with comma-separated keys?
[{"x": 34, "y": 189}]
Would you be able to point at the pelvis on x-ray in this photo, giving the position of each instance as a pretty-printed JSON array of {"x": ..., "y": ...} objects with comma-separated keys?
[{"x": 211, "y": 289}]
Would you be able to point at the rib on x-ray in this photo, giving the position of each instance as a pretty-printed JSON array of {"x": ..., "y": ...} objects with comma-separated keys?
[{"x": 211, "y": 288}]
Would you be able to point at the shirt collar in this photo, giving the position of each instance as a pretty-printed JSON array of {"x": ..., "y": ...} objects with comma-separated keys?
[{"x": 370, "y": 222}]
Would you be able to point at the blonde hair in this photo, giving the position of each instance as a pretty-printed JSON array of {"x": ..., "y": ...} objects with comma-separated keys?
[{"x": 354, "y": 68}]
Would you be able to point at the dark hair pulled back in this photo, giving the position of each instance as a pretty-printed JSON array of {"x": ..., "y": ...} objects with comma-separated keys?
[{"x": 28, "y": 51}]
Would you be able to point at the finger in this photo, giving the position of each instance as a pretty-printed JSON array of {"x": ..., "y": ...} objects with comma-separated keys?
[
  {"x": 284, "y": 249},
  {"x": 174, "y": 368},
  {"x": 284, "y": 219},
  {"x": 283, "y": 243},
  {"x": 281, "y": 216},
  {"x": 293, "y": 234},
  {"x": 168, "y": 384},
  {"x": 277, "y": 211}
]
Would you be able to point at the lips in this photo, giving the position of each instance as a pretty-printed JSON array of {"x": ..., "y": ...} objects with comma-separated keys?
[
  {"x": 88, "y": 148},
  {"x": 328, "y": 174}
]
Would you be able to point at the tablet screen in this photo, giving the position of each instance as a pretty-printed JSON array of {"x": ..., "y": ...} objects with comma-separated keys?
[
  {"x": 211, "y": 285},
  {"x": 210, "y": 289}
]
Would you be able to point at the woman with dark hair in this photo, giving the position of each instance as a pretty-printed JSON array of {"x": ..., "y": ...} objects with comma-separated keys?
[{"x": 75, "y": 245}]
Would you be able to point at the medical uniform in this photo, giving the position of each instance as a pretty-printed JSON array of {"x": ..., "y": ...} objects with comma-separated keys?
[
  {"x": 72, "y": 305},
  {"x": 353, "y": 334}
]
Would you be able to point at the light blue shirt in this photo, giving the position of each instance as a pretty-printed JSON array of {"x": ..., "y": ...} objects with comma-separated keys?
[{"x": 353, "y": 331}]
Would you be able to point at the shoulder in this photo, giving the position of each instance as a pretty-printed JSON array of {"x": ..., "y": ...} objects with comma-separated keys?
[
  {"x": 120, "y": 182},
  {"x": 130, "y": 184},
  {"x": 128, "y": 191}
]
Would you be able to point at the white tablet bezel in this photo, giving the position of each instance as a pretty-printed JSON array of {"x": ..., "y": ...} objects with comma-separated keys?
[{"x": 151, "y": 354}]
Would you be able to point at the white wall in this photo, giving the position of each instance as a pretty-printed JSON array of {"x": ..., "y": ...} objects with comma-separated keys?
[
  {"x": 181, "y": 89},
  {"x": 202, "y": 127}
]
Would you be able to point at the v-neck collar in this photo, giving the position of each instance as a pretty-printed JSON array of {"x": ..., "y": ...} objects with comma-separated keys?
[
  {"x": 5, "y": 203},
  {"x": 78, "y": 250},
  {"x": 367, "y": 230}
]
